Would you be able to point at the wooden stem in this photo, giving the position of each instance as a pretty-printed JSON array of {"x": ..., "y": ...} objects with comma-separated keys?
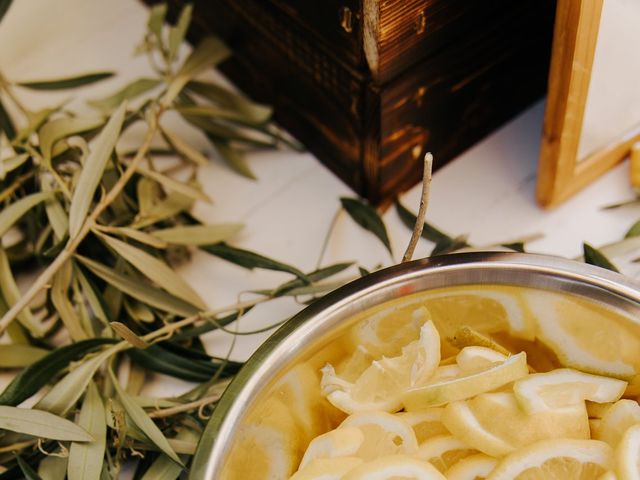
[{"x": 424, "y": 202}]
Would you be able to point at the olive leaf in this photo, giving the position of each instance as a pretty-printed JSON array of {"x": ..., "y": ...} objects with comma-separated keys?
[
  {"x": 14, "y": 212},
  {"x": 367, "y": 217},
  {"x": 66, "y": 83},
  {"x": 14, "y": 355},
  {"x": 254, "y": 112},
  {"x": 429, "y": 232},
  {"x": 163, "y": 468},
  {"x": 53, "y": 468},
  {"x": 145, "y": 293},
  {"x": 130, "y": 91},
  {"x": 127, "y": 334},
  {"x": 595, "y": 257},
  {"x": 141, "y": 420},
  {"x": 177, "y": 33},
  {"x": 28, "y": 472},
  {"x": 183, "y": 148},
  {"x": 174, "y": 185},
  {"x": 38, "y": 423},
  {"x": 60, "y": 128},
  {"x": 172, "y": 205},
  {"x": 251, "y": 260},
  {"x": 208, "y": 53},
  {"x": 41, "y": 372},
  {"x": 6, "y": 124},
  {"x": 64, "y": 394},
  {"x": 156, "y": 20},
  {"x": 86, "y": 459},
  {"x": 156, "y": 270},
  {"x": 64, "y": 307},
  {"x": 233, "y": 158},
  {"x": 137, "y": 235},
  {"x": 198, "y": 234},
  {"x": 315, "y": 276},
  {"x": 55, "y": 213},
  {"x": 4, "y": 8},
  {"x": 634, "y": 231},
  {"x": 96, "y": 304},
  {"x": 12, "y": 163},
  {"x": 139, "y": 311},
  {"x": 92, "y": 172},
  {"x": 35, "y": 121}
]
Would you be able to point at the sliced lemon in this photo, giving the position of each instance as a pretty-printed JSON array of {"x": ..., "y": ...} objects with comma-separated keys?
[
  {"x": 493, "y": 423},
  {"x": 298, "y": 390},
  {"x": 384, "y": 434},
  {"x": 628, "y": 455},
  {"x": 616, "y": 420},
  {"x": 556, "y": 459},
  {"x": 468, "y": 385},
  {"x": 610, "y": 475},
  {"x": 443, "y": 451},
  {"x": 586, "y": 337},
  {"x": 563, "y": 387},
  {"x": 342, "y": 442},
  {"x": 475, "y": 467},
  {"x": 355, "y": 364},
  {"x": 394, "y": 467},
  {"x": 425, "y": 423},
  {"x": 597, "y": 410},
  {"x": 326, "y": 469},
  {"x": 474, "y": 358},
  {"x": 380, "y": 386}
]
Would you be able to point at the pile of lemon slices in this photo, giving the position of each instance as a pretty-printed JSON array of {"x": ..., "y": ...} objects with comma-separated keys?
[{"x": 418, "y": 408}]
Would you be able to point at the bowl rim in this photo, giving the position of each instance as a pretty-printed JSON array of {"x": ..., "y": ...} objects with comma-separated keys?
[{"x": 509, "y": 268}]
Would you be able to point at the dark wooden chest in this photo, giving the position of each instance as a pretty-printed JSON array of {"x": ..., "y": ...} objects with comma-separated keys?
[{"x": 370, "y": 85}]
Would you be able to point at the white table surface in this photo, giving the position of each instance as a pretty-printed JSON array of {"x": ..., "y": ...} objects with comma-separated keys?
[{"x": 487, "y": 192}]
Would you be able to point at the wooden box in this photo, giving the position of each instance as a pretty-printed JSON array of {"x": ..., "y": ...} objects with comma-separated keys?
[{"x": 368, "y": 86}]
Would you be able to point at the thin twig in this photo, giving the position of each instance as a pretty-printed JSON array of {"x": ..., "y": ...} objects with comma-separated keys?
[
  {"x": 424, "y": 202},
  {"x": 17, "y": 183},
  {"x": 167, "y": 412},
  {"x": 45, "y": 277}
]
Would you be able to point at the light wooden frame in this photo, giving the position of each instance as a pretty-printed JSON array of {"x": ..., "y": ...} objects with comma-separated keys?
[{"x": 560, "y": 174}]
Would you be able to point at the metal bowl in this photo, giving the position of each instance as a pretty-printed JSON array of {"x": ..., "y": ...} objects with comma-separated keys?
[{"x": 320, "y": 324}]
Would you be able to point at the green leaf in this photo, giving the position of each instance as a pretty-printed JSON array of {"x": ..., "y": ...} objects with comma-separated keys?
[
  {"x": 235, "y": 159},
  {"x": 128, "y": 92},
  {"x": 634, "y": 231},
  {"x": 183, "y": 148},
  {"x": 66, "y": 83},
  {"x": 85, "y": 459},
  {"x": 90, "y": 292},
  {"x": 38, "y": 374},
  {"x": 315, "y": 289},
  {"x": 177, "y": 33},
  {"x": 13, "y": 355},
  {"x": 64, "y": 394},
  {"x": 140, "y": 291},
  {"x": 595, "y": 257},
  {"x": 174, "y": 185},
  {"x": 216, "y": 94},
  {"x": 198, "y": 234},
  {"x": 60, "y": 128},
  {"x": 55, "y": 213},
  {"x": 139, "y": 311},
  {"x": 6, "y": 124},
  {"x": 60, "y": 299},
  {"x": 209, "y": 52},
  {"x": 156, "y": 20},
  {"x": 429, "y": 232},
  {"x": 170, "y": 206},
  {"x": 4, "y": 7},
  {"x": 14, "y": 212},
  {"x": 137, "y": 235},
  {"x": 127, "y": 334},
  {"x": 11, "y": 295},
  {"x": 140, "y": 418},
  {"x": 315, "y": 276},
  {"x": 36, "y": 119},
  {"x": 28, "y": 472},
  {"x": 41, "y": 424},
  {"x": 251, "y": 260},
  {"x": 12, "y": 163},
  {"x": 156, "y": 270},
  {"x": 208, "y": 326},
  {"x": 53, "y": 468},
  {"x": 449, "y": 245},
  {"x": 367, "y": 217},
  {"x": 93, "y": 169},
  {"x": 216, "y": 112}
]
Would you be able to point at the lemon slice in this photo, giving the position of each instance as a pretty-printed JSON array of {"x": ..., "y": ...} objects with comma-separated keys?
[
  {"x": 443, "y": 451},
  {"x": 628, "y": 455},
  {"x": 466, "y": 386},
  {"x": 326, "y": 469},
  {"x": 395, "y": 466},
  {"x": 343, "y": 442},
  {"x": 556, "y": 459},
  {"x": 380, "y": 386},
  {"x": 597, "y": 410},
  {"x": 425, "y": 423},
  {"x": 475, "y": 467},
  {"x": 610, "y": 475},
  {"x": 563, "y": 387},
  {"x": 384, "y": 434},
  {"x": 591, "y": 338},
  {"x": 493, "y": 423},
  {"x": 616, "y": 420},
  {"x": 474, "y": 358}
]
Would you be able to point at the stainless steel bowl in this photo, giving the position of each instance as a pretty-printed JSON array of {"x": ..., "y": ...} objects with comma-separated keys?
[{"x": 319, "y": 324}]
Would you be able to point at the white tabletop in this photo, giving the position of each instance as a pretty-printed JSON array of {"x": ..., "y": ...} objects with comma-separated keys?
[{"x": 487, "y": 192}]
